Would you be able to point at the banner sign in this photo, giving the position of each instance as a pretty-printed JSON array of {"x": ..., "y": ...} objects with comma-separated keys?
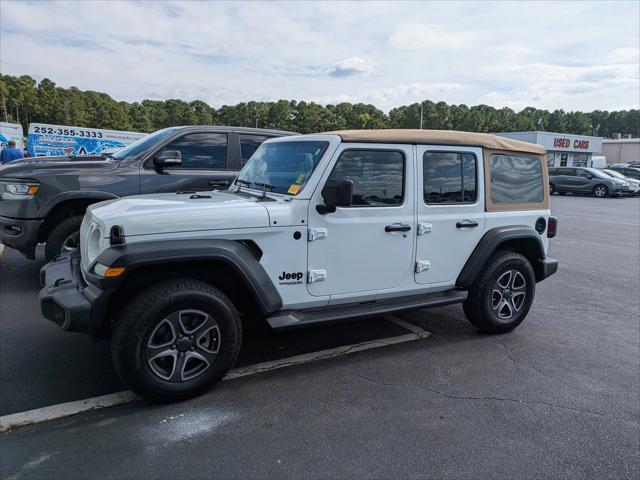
[{"x": 46, "y": 140}]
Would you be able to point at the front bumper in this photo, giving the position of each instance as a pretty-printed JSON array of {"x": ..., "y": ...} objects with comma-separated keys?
[
  {"x": 549, "y": 267},
  {"x": 67, "y": 300},
  {"x": 21, "y": 234}
]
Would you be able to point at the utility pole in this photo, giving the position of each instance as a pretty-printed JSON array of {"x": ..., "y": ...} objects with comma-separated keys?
[{"x": 421, "y": 112}]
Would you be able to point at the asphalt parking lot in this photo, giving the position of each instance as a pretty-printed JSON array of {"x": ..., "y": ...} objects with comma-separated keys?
[{"x": 557, "y": 397}]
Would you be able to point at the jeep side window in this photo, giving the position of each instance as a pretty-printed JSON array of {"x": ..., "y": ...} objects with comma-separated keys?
[
  {"x": 248, "y": 145},
  {"x": 201, "y": 151},
  {"x": 449, "y": 177},
  {"x": 377, "y": 176},
  {"x": 515, "y": 179}
]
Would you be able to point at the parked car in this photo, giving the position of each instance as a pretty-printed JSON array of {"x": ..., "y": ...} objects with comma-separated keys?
[
  {"x": 634, "y": 185},
  {"x": 316, "y": 228},
  {"x": 43, "y": 200},
  {"x": 626, "y": 170},
  {"x": 583, "y": 180}
]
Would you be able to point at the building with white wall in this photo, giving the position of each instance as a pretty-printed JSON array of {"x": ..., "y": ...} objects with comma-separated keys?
[{"x": 563, "y": 150}]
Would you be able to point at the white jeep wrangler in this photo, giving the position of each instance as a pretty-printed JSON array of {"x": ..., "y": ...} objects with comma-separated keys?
[{"x": 316, "y": 228}]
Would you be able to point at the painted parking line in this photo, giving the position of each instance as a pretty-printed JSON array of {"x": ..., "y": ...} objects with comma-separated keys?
[{"x": 53, "y": 412}]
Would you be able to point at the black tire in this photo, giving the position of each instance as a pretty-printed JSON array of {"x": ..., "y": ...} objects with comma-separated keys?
[
  {"x": 562, "y": 193},
  {"x": 149, "y": 311},
  {"x": 600, "y": 191},
  {"x": 479, "y": 307},
  {"x": 552, "y": 189},
  {"x": 60, "y": 234}
]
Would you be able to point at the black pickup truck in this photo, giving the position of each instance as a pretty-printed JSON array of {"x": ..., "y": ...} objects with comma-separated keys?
[{"x": 43, "y": 200}]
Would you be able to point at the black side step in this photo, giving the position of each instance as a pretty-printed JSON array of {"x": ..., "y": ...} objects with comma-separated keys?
[{"x": 287, "y": 319}]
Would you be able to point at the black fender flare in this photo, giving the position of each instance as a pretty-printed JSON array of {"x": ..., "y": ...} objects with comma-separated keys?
[
  {"x": 491, "y": 241},
  {"x": 139, "y": 255},
  {"x": 54, "y": 201}
]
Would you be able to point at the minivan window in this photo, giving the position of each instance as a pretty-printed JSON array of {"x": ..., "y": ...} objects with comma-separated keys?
[
  {"x": 377, "y": 176},
  {"x": 449, "y": 177},
  {"x": 515, "y": 179}
]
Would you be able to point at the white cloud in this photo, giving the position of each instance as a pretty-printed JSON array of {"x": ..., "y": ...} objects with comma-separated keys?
[
  {"x": 350, "y": 66},
  {"x": 426, "y": 37},
  {"x": 504, "y": 54}
]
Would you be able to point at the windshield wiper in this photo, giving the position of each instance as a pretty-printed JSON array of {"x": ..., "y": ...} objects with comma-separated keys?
[
  {"x": 264, "y": 188},
  {"x": 239, "y": 182}
]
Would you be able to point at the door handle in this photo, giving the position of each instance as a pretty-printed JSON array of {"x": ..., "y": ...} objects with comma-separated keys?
[
  {"x": 398, "y": 227},
  {"x": 466, "y": 224}
]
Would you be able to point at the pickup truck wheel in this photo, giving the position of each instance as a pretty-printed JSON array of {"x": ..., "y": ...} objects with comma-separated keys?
[
  {"x": 65, "y": 237},
  {"x": 502, "y": 296},
  {"x": 175, "y": 339}
]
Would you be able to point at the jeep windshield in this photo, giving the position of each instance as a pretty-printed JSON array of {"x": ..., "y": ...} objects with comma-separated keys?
[
  {"x": 136, "y": 148},
  {"x": 284, "y": 167}
]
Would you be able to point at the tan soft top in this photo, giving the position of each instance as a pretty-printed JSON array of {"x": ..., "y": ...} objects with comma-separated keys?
[{"x": 439, "y": 137}]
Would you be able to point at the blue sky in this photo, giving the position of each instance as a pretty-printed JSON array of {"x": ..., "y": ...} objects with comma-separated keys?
[{"x": 571, "y": 55}]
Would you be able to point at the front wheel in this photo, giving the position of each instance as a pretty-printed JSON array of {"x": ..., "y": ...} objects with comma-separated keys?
[
  {"x": 502, "y": 296},
  {"x": 600, "y": 191},
  {"x": 175, "y": 339},
  {"x": 65, "y": 237}
]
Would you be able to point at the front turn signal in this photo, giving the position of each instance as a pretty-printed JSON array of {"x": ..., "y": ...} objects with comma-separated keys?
[{"x": 108, "y": 272}]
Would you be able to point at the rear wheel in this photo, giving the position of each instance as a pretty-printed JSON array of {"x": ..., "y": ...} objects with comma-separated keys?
[
  {"x": 175, "y": 339},
  {"x": 600, "y": 191},
  {"x": 65, "y": 237},
  {"x": 552, "y": 189},
  {"x": 502, "y": 295}
]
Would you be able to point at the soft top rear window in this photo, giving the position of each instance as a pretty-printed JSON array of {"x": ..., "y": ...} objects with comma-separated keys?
[{"x": 516, "y": 179}]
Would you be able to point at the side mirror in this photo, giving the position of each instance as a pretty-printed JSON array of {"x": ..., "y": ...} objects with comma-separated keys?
[
  {"x": 336, "y": 193},
  {"x": 168, "y": 158}
]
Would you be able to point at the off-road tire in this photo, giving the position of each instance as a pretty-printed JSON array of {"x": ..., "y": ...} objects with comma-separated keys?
[
  {"x": 59, "y": 235},
  {"x": 478, "y": 307},
  {"x": 598, "y": 189},
  {"x": 140, "y": 318}
]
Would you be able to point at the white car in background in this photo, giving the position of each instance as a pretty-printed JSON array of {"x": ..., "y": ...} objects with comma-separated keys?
[{"x": 634, "y": 185}]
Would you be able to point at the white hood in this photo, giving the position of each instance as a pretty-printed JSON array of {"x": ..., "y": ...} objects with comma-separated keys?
[{"x": 170, "y": 213}]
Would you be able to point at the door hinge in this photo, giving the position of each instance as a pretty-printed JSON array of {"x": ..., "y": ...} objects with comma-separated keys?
[
  {"x": 317, "y": 234},
  {"x": 422, "y": 265},
  {"x": 316, "y": 276},
  {"x": 424, "y": 228}
]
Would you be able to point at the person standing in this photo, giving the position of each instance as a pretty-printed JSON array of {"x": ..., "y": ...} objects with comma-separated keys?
[{"x": 10, "y": 153}]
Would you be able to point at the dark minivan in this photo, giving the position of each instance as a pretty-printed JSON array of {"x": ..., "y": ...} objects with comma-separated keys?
[
  {"x": 583, "y": 180},
  {"x": 43, "y": 200}
]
